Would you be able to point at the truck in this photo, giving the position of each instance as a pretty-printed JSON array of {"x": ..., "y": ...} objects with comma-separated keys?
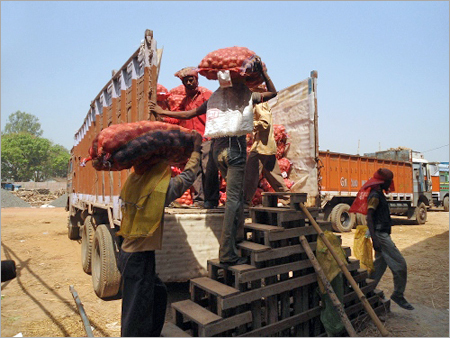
[
  {"x": 439, "y": 179},
  {"x": 191, "y": 236},
  {"x": 342, "y": 175}
]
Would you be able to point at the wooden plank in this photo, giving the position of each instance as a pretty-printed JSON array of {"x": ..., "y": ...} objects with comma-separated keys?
[
  {"x": 242, "y": 268},
  {"x": 227, "y": 324},
  {"x": 195, "y": 312},
  {"x": 214, "y": 287},
  {"x": 267, "y": 291},
  {"x": 263, "y": 227},
  {"x": 281, "y": 252},
  {"x": 171, "y": 330},
  {"x": 255, "y": 306},
  {"x": 283, "y": 324},
  {"x": 252, "y": 247},
  {"x": 291, "y": 233},
  {"x": 353, "y": 296},
  {"x": 249, "y": 276}
]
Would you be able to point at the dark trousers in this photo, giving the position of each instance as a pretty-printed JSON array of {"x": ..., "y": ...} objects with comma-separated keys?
[
  {"x": 390, "y": 256},
  {"x": 268, "y": 166},
  {"x": 206, "y": 185},
  {"x": 230, "y": 154},
  {"x": 144, "y": 295}
]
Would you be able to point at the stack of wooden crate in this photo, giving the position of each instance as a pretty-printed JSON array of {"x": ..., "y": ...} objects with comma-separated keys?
[{"x": 277, "y": 292}]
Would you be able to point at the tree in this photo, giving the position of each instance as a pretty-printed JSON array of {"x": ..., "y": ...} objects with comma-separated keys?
[
  {"x": 21, "y": 122},
  {"x": 27, "y": 157},
  {"x": 57, "y": 161}
]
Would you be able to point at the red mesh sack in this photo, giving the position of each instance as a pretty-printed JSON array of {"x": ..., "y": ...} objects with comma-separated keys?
[
  {"x": 285, "y": 165},
  {"x": 121, "y": 146},
  {"x": 265, "y": 185},
  {"x": 280, "y": 133},
  {"x": 162, "y": 95},
  {"x": 280, "y": 150},
  {"x": 238, "y": 60},
  {"x": 257, "y": 197},
  {"x": 222, "y": 198},
  {"x": 186, "y": 198},
  {"x": 176, "y": 97},
  {"x": 288, "y": 183}
]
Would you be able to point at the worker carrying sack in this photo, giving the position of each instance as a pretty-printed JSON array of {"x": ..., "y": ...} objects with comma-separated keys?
[{"x": 122, "y": 146}]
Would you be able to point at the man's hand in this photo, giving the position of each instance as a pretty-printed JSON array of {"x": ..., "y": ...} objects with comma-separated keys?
[
  {"x": 156, "y": 109},
  {"x": 376, "y": 244},
  {"x": 257, "y": 64},
  {"x": 198, "y": 139}
]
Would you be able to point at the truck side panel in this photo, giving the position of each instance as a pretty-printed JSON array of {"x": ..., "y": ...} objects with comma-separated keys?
[
  {"x": 344, "y": 174},
  {"x": 124, "y": 99}
]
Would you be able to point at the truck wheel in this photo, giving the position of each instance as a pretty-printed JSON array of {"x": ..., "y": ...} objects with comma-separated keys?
[
  {"x": 73, "y": 229},
  {"x": 445, "y": 203},
  {"x": 341, "y": 219},
  {"x": 87, "y": 237},
  {"x": 421, "y": 214},
  {"x": 361, "y": 219},
  {"x": 105, "y": 274}
]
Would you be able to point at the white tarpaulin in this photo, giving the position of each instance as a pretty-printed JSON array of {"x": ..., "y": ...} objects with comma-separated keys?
[{"x": 294, "y": 108}]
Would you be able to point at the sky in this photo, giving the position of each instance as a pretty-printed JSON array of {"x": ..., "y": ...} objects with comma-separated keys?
[{"x": 383, "y": 67}]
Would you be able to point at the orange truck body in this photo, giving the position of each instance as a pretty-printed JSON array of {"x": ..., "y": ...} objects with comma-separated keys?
[{"x": 344, "y": 174}]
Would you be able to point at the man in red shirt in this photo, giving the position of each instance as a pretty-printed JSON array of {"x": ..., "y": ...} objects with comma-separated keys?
[{"x": 206, "y": 186}]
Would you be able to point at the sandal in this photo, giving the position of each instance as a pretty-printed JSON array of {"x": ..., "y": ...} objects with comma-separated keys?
[{"x": 402, "y": 302}]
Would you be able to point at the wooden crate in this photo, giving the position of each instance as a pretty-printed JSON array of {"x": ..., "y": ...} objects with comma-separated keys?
[{"x": 276, "y": 293}]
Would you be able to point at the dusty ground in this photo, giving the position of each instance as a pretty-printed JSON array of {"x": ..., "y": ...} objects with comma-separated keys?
[{"x": 38, "y": 302}]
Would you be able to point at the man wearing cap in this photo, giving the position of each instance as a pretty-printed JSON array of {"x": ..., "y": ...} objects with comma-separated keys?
[
  {"x": 206, "y": 186},
  {"x": 233, "y": 98},
  {"x": 371, "y": 200}
]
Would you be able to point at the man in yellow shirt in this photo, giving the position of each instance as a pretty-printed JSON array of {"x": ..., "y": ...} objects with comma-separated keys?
[
  {"x": 144, "y": 195},
  {"x": 262, "y": 156}
]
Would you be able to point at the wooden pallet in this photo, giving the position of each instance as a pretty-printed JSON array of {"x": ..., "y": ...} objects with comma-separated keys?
[{"x": 276, "y": 293}]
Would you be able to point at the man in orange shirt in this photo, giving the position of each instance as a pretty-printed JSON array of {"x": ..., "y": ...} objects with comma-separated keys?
[{"x": 206, "y": 186}]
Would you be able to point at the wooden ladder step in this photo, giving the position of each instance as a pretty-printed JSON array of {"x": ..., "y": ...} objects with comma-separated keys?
[
  {"x": 258, "y": 274},
  {"x": 171, "y": 330},
  {"x": 227, "y": 324},
  {"x": 213, "y": 287},
  {"x": 194, "y": 312},
  {"x": 252, "y": 247},
  {"x": 263, "y": 227},
  {"x": 291, "y": 233}
]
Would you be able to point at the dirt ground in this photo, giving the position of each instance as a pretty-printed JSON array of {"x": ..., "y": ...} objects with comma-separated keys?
[{"x": 38, "y": 302}]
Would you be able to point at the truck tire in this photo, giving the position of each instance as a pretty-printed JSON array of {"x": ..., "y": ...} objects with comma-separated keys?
[
  {"x": 361, "y": 219},
  {"x": 73, "y": 229},
  {"x": 105, "y": 274},
  {"x": 420, "y": 214},
  {"x": 87, "y": 237},
  {"x": 445, "y": 203},
  {"x": 341, "y": 219}
]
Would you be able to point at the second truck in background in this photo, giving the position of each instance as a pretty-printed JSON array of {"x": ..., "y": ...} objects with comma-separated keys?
[{"x": 342, "y": 175}]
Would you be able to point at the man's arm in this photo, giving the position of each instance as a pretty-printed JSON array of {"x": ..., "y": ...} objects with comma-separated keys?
[
  {"x": 372, "y": 205},
  {"x": 180, "y": 183},
  {"x": 183, "y": 115},
  {"x": 272, "y": 92}
]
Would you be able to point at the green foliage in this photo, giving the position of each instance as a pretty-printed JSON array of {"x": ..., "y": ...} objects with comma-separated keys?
[
  {"x": 58, "y": 161},
  {"x": 27, "y": 157},
  {"x": 21, "y": 122}
]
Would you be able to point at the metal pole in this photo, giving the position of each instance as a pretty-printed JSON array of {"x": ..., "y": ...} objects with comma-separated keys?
[{"x": 87, "y": 325}]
